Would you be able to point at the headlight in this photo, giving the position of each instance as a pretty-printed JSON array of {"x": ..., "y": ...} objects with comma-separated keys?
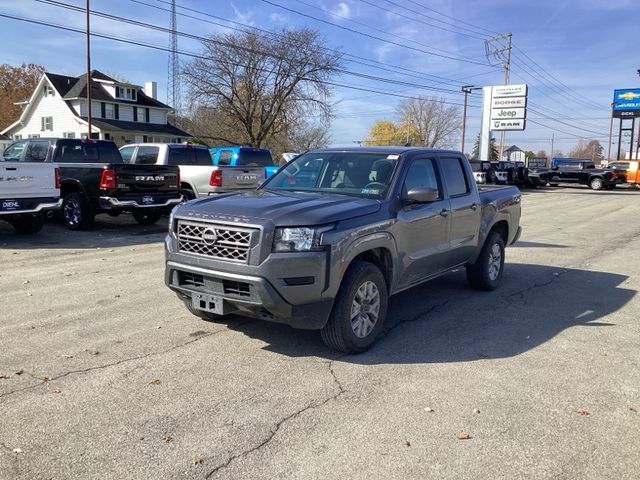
[{"x": 299, "y": 239}]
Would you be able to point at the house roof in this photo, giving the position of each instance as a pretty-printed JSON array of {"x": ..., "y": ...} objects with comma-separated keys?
[
  {"x": 76, "y": 87},
  {"x": 513, "y": 148},
  {"x": 122, "y": 125}
]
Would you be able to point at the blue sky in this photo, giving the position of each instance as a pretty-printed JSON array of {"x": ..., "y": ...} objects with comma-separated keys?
[{"x": 582, "y": 50}]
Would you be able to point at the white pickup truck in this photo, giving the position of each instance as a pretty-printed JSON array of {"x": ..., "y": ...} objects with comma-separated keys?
[
  {"x": 199, "y": 177},
  {"x": 27, "y": 190}
]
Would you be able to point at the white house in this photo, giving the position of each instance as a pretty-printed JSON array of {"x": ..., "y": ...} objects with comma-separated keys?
[
  {"x": 120, "y": 111},
  {"x": 513, "y": 154}
]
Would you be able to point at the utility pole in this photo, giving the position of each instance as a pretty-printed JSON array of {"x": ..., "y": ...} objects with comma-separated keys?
[
  {"x": 466, "y": 89},
  {"x": 552, "y": 140},
  {"x": 501, "y": 53},
  {"x": 88, "y": 70},
  {"x": 610, "y": 133}
]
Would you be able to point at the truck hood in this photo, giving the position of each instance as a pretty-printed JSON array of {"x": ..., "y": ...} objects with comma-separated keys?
[{"x": 282, "y": 209}]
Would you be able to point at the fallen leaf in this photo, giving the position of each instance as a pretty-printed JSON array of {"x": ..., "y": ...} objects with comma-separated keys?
[
  {"x": 56, "y": 390},
  {"x": 197, "y": 461},
  {"x": 463, "y": 436},
  {"x": 582, "y": 411},
  {"x": 428, "y": 409},
  {"x": 29, "y": 294},
  {"x": 476, "y": 410},
  {"x": 3, "y": 375},
  {"x": 154, "y": 381},
  {"x": 19, "y": 372},
  {"x": 25, "y": 282},
  {"x": 405, "y": 442},
  {"x": 167, "y": 438},
  {"x": 67, "y": 356},
  {"x": 633, "y": 409},
  {"x": 17, "y": 450}
]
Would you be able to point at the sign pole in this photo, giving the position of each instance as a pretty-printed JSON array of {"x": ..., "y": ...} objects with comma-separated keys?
[
  {"x": 610, "y": 132},
  {"x": 619, "y": 140}
]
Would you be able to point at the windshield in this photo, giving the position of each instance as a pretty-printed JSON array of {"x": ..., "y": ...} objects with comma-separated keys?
[{"x": 348, "y": 173}]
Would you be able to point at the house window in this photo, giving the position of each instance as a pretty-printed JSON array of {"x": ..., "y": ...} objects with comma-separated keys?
[
  {"x": 17, "y": 137},
  {"x": 69, "y": 135},
  {"x": 146, "y": 115},
  {"x": 34, "y": 135},
  {"x": 135, "y": 114},
  {"x": 126, "y": 93},
  {"x": 48, "y": 91},
  {"x": 46, "y": 123},
  {"x": 108, "y": 110}
]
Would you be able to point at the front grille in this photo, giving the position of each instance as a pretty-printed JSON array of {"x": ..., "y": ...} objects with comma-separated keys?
[
  {"x": 232, "y": 287},
  {"x": 216, "y": 241}
]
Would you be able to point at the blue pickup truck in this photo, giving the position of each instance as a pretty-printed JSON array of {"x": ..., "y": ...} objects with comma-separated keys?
[{"x": 244, "y": 157}]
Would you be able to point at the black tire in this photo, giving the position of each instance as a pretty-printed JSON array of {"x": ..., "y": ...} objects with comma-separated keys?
[
  {"x": 596, "y": 183},
  {"x": 77, "y": 214},
  {"x": 28, "y": 224},
  {"x": 340, "y": 331},
  {"x": 146, "y": 216},
  {"x": 482, "y": 275},
  {"x": 610, "y": 187},
  {"x": 187, "y": 194}
]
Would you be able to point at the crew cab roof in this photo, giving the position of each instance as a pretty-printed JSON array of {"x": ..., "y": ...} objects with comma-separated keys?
[{"x": 391, "y": 150}]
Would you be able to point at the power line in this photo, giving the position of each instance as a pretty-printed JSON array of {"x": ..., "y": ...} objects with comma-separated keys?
[
  {"x": 457, "y": 20},
  {"x": 374, "y": 37}
]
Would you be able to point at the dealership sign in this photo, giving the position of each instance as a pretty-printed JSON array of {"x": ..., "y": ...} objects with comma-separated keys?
[
  {"x": 508, "y": 107},
  {"x": 626, "y": 102}
]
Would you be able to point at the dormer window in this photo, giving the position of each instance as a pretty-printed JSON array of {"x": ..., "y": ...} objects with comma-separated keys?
[{"x": 126, "y": 93}]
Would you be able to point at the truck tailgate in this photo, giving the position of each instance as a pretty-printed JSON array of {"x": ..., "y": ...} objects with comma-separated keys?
[
  {"x": 27, "y": 180},
  {"x": 145, "y": 179},
  {"x": 241, "y": 178}
]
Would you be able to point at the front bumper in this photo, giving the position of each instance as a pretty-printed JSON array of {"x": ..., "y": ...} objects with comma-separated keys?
[
  {"x": 127, "y": 203},
  {"x": 32, "y": 205}
]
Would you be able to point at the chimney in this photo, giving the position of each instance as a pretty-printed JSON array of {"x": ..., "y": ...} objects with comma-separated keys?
[{"x": 151, "y": 89}]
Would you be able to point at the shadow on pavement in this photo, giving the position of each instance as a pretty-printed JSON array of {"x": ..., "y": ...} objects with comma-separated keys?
[
  {"x": 107, "y": 232},
  {"x": 445, "y": 321},
  {"x": 524, "y": 244}
]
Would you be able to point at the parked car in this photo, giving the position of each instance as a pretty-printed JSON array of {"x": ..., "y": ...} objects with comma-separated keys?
[
  {"x": 584, "y": 172},
  {"x": 244, "y": 157},
  {"x": 28, "y": 190},
  {"x": 198, "y": 176},
  {"x": 628, "y": 171},
  {"x": 94, "y": 179},
  {"x": 324, "y": 242}
]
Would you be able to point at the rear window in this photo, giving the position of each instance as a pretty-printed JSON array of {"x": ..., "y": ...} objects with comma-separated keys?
[
  {"x": 255, "y": 158},
  {"x": 189, "y": 156},
  {"x": 85, "y": 152},
  {"x": 147, "y": 155},
  {"x": 454, "y": 176}
]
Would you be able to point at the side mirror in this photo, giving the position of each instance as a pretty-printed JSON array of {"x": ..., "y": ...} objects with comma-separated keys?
[{"x": 422, "y": 195}]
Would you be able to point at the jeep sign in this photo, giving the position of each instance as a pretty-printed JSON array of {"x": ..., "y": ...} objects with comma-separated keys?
[{"x": 500, "y": 113}]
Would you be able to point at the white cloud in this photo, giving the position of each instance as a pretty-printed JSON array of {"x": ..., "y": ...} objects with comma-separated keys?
[
  {"x": 277, "y": 17},
  {"x": 342, "y": 10},
  {"x": 243, "y": 17}
]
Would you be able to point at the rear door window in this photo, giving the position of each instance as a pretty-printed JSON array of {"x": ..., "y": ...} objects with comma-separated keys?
[
  {"x": 36, "y": 151},
  {"x": 455, "y": 176},
  {"x": 181, "y": 156},
  {"x": 127, "y": 153},
  {"x": 225, "y": 157},
  {"x": 147, "y": 155}
]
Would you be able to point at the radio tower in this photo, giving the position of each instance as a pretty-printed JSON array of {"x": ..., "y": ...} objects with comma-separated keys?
[{"x": 173, "y": 81}]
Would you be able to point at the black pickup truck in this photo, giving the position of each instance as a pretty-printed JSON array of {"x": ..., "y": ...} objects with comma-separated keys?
[
  {"x": 584, "y": 173},
  {"x": 94, "y": 179},
  {"x": 324, "y": 242}
]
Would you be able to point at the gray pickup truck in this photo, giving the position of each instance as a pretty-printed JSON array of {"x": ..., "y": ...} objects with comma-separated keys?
[{"x": 324, "y": 242}]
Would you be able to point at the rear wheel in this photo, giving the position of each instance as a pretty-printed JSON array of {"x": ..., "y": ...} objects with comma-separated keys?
[
  {"x": 187, "y": 194},
  {"x": 595, "y": 183},
  {"x": 147, "y": 216},
  {"x": 76, "y": 212},
  {"x": 486, "y": 273},
  {"x": 28, "y": 224},
  {"x": 359, "y": 311}
]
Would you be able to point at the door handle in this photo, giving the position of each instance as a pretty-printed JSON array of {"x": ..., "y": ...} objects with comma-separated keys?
[
  {"x": 12, "y": 168},
  {"x": 474, "y": 206},
  {"x": 444, "y": 212}
]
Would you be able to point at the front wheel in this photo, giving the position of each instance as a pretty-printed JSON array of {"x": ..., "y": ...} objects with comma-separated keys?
[
  {"x": 28, "y": 224},
  {"x": 147, "y": 217},
  {"x": 359, "y": 311},
  {"x": 486, "y": 273},
  {"x": 595, "y": 183}
]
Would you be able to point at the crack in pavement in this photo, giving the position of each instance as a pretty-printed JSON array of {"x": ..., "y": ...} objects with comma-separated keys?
[
  {"x": 415, "y": 318},
  {"x": 119, "y": 362},
  {"x": 272, "y": 433}
]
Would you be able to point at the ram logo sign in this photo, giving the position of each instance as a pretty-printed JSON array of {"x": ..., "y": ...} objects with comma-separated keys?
[{"x": 149, "y": 178}]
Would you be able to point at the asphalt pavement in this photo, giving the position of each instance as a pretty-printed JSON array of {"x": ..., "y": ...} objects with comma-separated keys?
[{"x": 105, "y": 375}]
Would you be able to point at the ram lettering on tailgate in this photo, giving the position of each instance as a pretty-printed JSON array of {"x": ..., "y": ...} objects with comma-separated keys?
[{"x": 150, "y": 178}]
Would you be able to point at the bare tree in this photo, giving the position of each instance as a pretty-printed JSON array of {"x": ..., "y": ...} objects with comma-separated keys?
[
  {"x": 428, "y": 121},
  {"x": 259, "y": 86},
  {"x": 591, "y": 149}
]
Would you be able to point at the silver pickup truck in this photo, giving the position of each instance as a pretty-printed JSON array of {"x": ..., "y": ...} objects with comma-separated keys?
[
  {"x": 324, "y": 242},
  {"x": 27, "y": 191},
  {"x": 198, "y": 176}
]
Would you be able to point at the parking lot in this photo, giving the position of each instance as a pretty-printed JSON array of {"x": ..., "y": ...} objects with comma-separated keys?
[{"x": 105, "y": 375}]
